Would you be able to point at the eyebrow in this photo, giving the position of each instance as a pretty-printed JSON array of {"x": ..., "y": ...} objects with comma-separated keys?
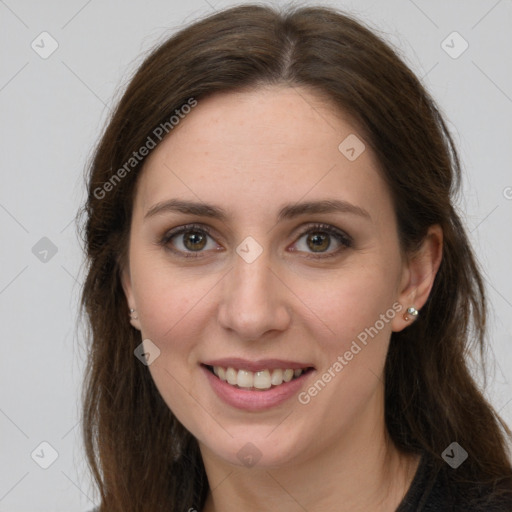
[{"x": 287, "y": 212}]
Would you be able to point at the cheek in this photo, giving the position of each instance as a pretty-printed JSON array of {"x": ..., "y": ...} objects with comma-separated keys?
[
  {"x": 358, "y": 309},
  {"x": 172, "y": 311},
  {"x": 167, "y": 300},
  {"x": 353, "y": 303}
]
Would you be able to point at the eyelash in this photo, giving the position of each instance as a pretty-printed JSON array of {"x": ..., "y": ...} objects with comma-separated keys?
[{"x": 341, "y": 237}]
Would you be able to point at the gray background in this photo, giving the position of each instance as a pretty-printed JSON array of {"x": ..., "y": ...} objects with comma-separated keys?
[{"x": 52, "y": 111}]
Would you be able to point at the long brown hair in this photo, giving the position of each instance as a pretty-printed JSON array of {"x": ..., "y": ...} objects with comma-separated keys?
[{"x": 141, "y": 457}]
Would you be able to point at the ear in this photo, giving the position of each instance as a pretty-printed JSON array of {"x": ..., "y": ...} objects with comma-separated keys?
[
  {"x": 126, "y": 282},
  {"x": 418, "y": 275}
]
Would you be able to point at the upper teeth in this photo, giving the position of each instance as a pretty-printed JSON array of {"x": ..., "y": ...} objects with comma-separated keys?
[{"x": 263, "y": 379}]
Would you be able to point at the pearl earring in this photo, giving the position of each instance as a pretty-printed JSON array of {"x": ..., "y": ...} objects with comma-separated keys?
[
  {"x": 133, "y": 317},
  {"x": 411, "y": 312}
]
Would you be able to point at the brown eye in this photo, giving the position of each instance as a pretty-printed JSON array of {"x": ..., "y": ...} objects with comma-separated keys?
[
  {"x": 194, "y": 240},
  {"x": 318, "y": 241},
  {"x": 188, "y": 241}
]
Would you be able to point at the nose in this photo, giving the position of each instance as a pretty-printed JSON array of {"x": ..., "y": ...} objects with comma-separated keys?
[{"x": 254, "y": 299}]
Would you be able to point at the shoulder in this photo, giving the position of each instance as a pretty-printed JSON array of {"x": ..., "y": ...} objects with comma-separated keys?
[
  {"x": 446, "y": 495},
  {"x": 434, "y": 489},
  {"x": 449, "y": 495}
]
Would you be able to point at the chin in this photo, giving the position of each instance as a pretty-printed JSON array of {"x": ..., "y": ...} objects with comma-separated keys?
[{"x": 256, "y": 447}]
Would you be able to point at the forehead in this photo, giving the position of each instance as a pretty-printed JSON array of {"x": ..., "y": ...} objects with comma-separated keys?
[{"x": 250, "y": 150}]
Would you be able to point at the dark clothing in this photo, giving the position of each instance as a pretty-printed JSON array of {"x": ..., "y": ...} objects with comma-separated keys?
[{"x": 434, "y": 493}]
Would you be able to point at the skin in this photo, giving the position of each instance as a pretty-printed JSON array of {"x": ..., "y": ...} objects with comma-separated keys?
[{"x": 251, "y": 153}]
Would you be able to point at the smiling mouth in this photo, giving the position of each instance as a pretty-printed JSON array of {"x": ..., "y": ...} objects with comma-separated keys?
[{"x": 262, "y": 380}]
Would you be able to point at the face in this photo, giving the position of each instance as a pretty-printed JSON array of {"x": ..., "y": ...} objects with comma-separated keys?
[{"x": 282, "y": 254}]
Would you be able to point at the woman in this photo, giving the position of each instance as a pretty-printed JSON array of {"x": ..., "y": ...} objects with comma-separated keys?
[{"x": 280, "y": 293}]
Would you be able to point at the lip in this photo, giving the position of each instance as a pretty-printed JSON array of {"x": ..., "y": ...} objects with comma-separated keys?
[
  {"x": 256, "y": 366},
  {"x": 255, "y": 400}
]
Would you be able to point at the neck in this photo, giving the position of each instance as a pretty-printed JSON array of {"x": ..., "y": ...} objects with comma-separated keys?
[{"x": 360, "y": 470}]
